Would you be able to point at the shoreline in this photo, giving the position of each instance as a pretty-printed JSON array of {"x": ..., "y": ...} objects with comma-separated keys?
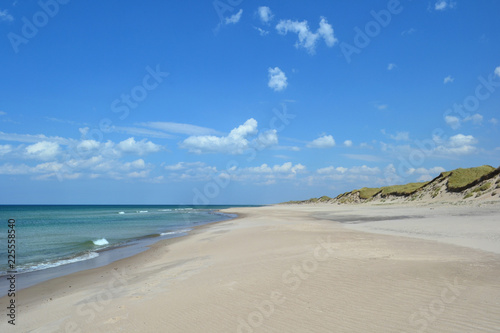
[
  {"x": 106, "y": 257},
  {"x": 302, "y": 272}
]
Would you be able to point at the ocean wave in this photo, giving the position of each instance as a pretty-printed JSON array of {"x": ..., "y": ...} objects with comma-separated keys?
[
  {"x": 164, "y": 210},
  {"x": 121, "y": 213},
  {"x": 86, "y": 256},
  {"x": 101, "y": 242},
  {"x": 176, "y": 232},
  {"x": 142, "y": 211}
]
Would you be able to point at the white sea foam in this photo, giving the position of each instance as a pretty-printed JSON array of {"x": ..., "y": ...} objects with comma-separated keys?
[
  {"x": 121, "y": 213},
  {"x": 142, "y": 211},
  {"x": 164, "y": 210},
  {"x": 86, "y": 256},
  {"x": 101, "y": 242},
  {"x": 176, "y": 232}
]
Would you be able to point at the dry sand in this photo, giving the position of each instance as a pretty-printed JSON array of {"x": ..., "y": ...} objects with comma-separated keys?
[{"x": 290, "y": 269}]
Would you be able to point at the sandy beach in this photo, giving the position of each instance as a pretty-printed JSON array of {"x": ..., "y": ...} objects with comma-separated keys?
[{"x": 291, "y": 268}]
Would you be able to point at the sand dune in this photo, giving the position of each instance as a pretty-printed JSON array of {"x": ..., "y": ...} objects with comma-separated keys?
[{"x": 281, "y": 269}]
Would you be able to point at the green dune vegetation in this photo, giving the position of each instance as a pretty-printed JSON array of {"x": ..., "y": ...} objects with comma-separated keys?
[{"x": 459, "y": 184}]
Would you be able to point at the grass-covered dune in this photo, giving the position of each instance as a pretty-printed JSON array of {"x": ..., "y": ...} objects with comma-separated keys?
[{"x": 462, "y": 183}]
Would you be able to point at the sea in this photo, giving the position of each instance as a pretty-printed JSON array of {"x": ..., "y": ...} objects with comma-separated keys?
[{"x": 51, "y": 236}]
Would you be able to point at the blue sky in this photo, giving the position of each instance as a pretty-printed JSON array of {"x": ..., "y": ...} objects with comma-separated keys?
[{"x": 242, "y": 102}]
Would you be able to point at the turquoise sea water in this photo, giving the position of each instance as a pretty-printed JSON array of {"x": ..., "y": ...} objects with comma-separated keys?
[{"x": 50, "y": 236}]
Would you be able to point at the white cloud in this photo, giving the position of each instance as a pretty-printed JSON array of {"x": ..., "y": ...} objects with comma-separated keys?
[
  {"x": 179, "y": 128},
  {"x": 43, "y": 150},
  {"x": 401, "y": 136},
  {"x": 326, "y": 141},
  {"x": 29, "y": 138},
  {"x": 381, "y": 106},
  {"x": 348, "y": 143},
  {"x": 88, "y": 145},
  {"x": 497, "y": 71},
  {"x": 435, "y": 171},
  {"x": 183, "y": 166},
  {"x": 352, "y": 174},
  {"x": 145, "y": 132},
  {"x": 265, "y": 14},
  {"x": 236, "y": 142},
  {"x": 266, "y": 139},
  {"x": 142, "y": 147},
  {"x": 448, "y": 79},
  {"x": 277, "y": 79},
  {"x": 5, "y": 16},
  {"x": 455, "y": 122},
  {"x": 2, "y": 113},
  {"x": 494, "y": 121},
  {"x": 458, "y": 145},
  {"x": 306, "y": 38},
  {"x": 408, "y": 32},
  {"x": 325, "y": 30},
  {"x": 452, "y": 121},
  {"x": 444, "y": 4},
  {"x": 391, "y": 66},
  {"x": 234, "y": 18},
  {"x": 476, "y": 119},
  {"x": 191, "y": 171},
  {"x": 261, "y": 31},
  {"x": 137, "y": 164},
  {"x": 5, "y": 149},
  {"x": 287, "y": 167}
]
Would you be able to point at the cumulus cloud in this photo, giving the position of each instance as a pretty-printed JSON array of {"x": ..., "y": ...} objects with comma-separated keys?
[
  {"x": 497, "y": 71},
  {"x": 325, "y": 141},
  {"x": 455, "y": 122},
  {"x": 457, "y": 145},
  {"x": 5, "y": 149},
  {"x": 5, "y": 16},
  {"x": 265, "y": 14},
  {"x": 233, "y": 19},
  {"x": 391, "y": 66},
  {"x": 277, "y": 79},
  {"x": 448, "y": 79},
  {"x": 67, "y": 159},
  {"x": 400, "y": 136},
  {"x": 306, "y": 38},
  {"x": 142, "y": 147},
  {"x": 452, "y": 121},
  {"x": 44, "y": 150},
  {"x": 261, "y": 31},
  {"x": 349, "y": 174},
  {"x": 348, "y": 143},
  {"x": 236, "y": 142},
  {"x": 442, "y": 5},
  {"x": 287, "y": 167}
]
